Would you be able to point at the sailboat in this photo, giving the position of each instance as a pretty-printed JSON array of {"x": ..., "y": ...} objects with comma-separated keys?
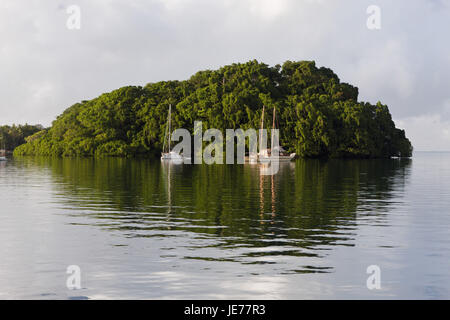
[
  {"x": 167, "y": 154},
  {"x": 3, "y": 151},
  {"x": 264, "y": 155}
]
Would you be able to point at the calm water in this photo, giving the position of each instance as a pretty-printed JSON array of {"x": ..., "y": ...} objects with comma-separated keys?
[{"x": 142, "y": 229}]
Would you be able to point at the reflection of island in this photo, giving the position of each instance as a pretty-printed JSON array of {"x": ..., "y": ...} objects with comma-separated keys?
[{"x": 309, "y": 206}]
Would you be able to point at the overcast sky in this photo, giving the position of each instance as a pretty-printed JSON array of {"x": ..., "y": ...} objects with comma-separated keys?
[{"x": 46, "y": 67}]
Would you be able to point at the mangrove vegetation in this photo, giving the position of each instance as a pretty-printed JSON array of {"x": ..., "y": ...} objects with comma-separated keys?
[{"x": 318, "y": 115}]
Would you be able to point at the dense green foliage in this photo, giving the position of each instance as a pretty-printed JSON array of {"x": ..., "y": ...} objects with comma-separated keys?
[
  {"x": 16, "y": 135},
  {"x": 318, "y": 116}
]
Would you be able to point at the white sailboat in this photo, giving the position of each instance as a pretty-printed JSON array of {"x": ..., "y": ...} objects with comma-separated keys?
[
  {"x": 167, "y": 154},
  {"x": 264, "y": 155},
  {"x": 3, "y": 151}
]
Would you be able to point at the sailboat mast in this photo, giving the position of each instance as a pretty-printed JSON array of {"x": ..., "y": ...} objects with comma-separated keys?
[
  {"x": 261, "y": 132},
  {"x": 170, "y": 129},
  {"x": 273, "y": 127},
  {"x": 273, "y": 123}
]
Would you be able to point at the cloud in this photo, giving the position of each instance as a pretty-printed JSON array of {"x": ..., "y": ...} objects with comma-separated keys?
[
  {"x": 46, "y": 67},
  {"x": 429, "y": 132}
]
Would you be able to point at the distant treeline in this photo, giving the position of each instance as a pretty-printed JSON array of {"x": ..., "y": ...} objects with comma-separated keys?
[
  {"x": 318, "y": 116},
  {"x": 16, "y": 135}
]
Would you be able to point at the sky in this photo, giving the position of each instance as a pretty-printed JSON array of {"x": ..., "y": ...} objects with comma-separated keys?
[{"x": 45, "y": 66}]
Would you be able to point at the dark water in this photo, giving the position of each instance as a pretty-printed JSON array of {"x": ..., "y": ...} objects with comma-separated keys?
[{"x": 142, "y": 229}]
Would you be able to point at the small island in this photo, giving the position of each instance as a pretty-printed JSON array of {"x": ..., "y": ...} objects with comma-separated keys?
[
  {"x": 319, "y": 116},
  {"x": 12, "y": 136}
]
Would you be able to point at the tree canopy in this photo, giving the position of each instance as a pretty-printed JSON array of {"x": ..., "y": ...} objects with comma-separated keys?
[
  {"x": 16, "y": 135},
  {"x": 318, "y": 116}
]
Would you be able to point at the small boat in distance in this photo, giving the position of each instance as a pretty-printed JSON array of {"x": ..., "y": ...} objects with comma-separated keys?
[
  {"x": 3, "y": 150},
  {"x": 167, "y": 154}
]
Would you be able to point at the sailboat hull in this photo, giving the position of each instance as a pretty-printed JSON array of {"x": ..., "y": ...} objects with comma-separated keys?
[
  {"x": 266, "y": 159},
  {"x": 279, "y": 158},
  {"x": 173, "y": 156}
]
